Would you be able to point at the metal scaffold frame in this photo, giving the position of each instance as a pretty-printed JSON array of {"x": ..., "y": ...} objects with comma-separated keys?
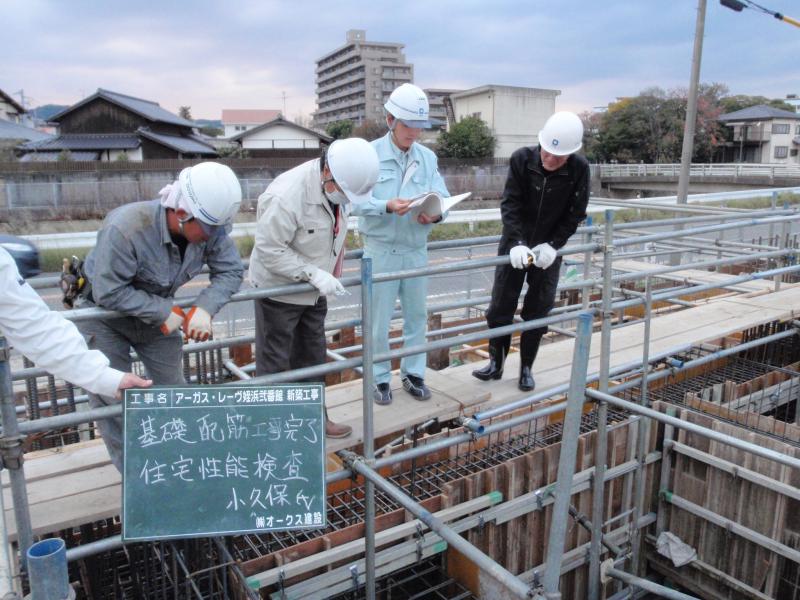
[{"x": 544, "y": 582}]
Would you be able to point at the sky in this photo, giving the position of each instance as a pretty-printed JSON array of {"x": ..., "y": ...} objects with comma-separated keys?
[{"x": 211, "y": 55}]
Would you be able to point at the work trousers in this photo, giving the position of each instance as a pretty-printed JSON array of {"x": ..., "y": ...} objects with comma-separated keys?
[
  {"x": 539, "y": 300},
  {"x": 162, "y": 356},
  {"x": 413, "y": 294},
  {"x": 290, "y": 336}
]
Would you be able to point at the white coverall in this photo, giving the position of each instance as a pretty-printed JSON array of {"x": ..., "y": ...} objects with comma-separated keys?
[
  {"x": 48, "y": 339},
  {"x": 397, "y": 243}
]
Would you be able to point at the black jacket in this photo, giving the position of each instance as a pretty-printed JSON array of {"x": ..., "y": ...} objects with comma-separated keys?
[{"x": 542, "y": 206}]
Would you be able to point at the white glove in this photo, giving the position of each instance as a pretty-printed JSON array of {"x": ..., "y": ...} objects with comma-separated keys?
[
  {"x": 519, "y": 256},
  {"x": 197, "y": 325},
  {"x": 544, "y": 255},
  {"x": 326, "y": 283},
  {"x": 174, "y": 320}
]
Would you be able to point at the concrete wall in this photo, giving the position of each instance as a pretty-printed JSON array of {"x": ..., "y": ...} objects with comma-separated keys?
[{"x": 83, "y": 193}]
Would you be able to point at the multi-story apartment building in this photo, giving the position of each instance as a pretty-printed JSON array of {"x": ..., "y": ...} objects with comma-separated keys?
[{"x": 355, "y": 80}]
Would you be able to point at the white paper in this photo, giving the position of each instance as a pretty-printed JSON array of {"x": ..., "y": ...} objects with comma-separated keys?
[{"x": 433, "y": 204}]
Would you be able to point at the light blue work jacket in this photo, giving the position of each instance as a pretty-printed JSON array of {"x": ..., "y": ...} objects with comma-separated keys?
[{"x": 402, "y": 175}]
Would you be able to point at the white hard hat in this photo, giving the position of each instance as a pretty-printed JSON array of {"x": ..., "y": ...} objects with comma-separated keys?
[
  {"x": 562, "y": 134},
  {"x": 213, "y": 192},
  {"x": 354, "y": 166},
  {"x": 409, "y": 104}
]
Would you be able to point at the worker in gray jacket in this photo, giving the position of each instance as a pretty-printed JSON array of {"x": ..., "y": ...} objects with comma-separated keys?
[
  {"x": 145, "y": 251},
  {"x": 302, "y": 225}
]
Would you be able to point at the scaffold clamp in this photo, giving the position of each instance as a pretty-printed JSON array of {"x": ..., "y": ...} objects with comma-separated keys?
[
  {"x": 281, "y": 583},
  {"x": 354, "y": 576},
  {"x": 11, "y": 452}
]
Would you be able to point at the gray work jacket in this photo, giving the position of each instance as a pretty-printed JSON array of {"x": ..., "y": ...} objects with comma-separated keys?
[
  {"x": 135, "y": 268},
  {"x": 295, "y": 233}
]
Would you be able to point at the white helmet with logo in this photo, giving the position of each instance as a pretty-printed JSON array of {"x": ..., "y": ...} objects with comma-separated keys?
[
  {"x": 562, "y": 134},
  {"x": 212, "y": 192},
  {"x": 409, "y": 104},
  {"x": 354, "y": 166}
]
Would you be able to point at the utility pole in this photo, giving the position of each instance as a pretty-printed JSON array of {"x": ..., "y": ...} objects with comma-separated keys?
[
  {"x": 691, "y": 104},
  {"x": 284, "y": 104}
]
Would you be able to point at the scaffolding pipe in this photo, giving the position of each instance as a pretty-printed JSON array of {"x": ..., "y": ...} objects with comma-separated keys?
[
  {"x": 654, "y": 237},
  {"x": 642, "y": 429},
  {"x": 778, "y": 457},
  {"x": 234, "y": 370},
  {"x": 485, "y": 563},
  {"x": 648, "y": 585},
  {"x": 586, "y": 292},
  {"x": 367, "y": 385},
  {"x": 601, "y": 439},
  {"x": 13, "y": 456},
  {"x": 569, "y": 450},
  {"x": 721, "y": 217}
]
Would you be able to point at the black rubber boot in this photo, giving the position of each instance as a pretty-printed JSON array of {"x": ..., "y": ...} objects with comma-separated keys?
[
  {"x": 528, "y": 349},
  {"x": 498, "y": 349},
  {"x": 526, "y": 382}
]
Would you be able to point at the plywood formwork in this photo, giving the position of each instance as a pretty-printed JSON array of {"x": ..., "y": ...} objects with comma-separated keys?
[{"x": 735, "y": 509}]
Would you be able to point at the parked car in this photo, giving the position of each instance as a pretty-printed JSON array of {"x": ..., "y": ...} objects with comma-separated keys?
[{"x": 24, "y": 253}]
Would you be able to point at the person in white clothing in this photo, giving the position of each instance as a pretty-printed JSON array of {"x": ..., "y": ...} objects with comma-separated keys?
[{"x": 51, "y": 341}]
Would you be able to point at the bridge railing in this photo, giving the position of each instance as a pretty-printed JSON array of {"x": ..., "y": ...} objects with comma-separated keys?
[{"x": 700, "y": 170}]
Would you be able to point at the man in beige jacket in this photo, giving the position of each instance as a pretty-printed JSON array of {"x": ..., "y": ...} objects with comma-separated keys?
[{"x": 302, "y": 225}]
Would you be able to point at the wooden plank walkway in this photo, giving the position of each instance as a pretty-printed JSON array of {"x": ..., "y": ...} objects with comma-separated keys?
[
  {"x": 77, "y": 485},
  {"x": 695, "y": 276}
]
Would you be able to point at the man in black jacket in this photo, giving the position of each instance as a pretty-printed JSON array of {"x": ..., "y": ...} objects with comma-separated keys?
[{"x": 544, "y": 200}]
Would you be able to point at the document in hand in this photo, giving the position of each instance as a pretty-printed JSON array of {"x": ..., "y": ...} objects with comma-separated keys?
[{"x": 433, "y": 204}]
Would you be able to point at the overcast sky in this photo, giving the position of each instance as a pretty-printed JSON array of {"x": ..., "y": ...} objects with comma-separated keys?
[{"x": 220, "y": 54}]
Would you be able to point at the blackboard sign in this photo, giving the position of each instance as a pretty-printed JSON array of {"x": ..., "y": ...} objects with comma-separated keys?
[{"x": 217, "y": 460}]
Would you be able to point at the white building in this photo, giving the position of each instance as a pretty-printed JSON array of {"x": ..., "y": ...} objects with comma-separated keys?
[
  {"x": 763, "y": 134},
  {"x": 11, "y": 110},
  {"x": 514, "y": 114},
  {"x": 279, "y": 134},
  {"x": 236, "y": 120}
]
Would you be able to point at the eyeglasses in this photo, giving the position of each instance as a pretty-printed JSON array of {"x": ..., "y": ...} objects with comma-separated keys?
[{"x": 211, "y": 231}]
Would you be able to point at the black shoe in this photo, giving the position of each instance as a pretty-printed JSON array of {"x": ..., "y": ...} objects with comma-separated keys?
[
  {"x": 416, "y": 387},
  {"x": 383, "y": 394},
  {"x": 494, "y": 370},
  {"x": 526, "y": 382}
]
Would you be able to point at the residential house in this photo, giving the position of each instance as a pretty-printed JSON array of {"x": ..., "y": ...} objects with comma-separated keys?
[
  {"x": 10, "y": 109},
  {"x": 280, "y": 137},
  {"x": 514, "y": 114},
  {"x": 14, "y": 129},
  {"x": 109, "y": 126},
  {"x": 762, "y": 134},
  {"x": 236, "y": 121}
]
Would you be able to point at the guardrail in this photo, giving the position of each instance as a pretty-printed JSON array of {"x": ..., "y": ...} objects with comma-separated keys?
[
  {"x": 701, "y": 170},
  {"x": 86, "y": 239}
]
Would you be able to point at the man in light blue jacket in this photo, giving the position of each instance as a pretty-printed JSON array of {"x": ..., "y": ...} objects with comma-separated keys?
[{"x": 395, "y": 241}]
